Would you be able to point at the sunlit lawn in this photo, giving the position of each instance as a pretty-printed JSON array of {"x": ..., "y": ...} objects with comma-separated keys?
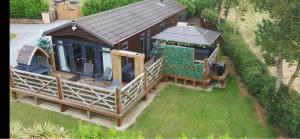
[{"x": 178, "y": 110}]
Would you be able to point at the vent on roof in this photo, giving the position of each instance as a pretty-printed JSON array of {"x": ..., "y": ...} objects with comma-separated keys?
[{"x": 181, "y": 24}]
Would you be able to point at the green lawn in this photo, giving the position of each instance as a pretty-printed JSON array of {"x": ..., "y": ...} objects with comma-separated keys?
[
  {"x": 12, "y": 36},
  {"x": 28, "y": 115},
  {"x": 174, "y": 111},
  {"x": 178, "y": 110}
]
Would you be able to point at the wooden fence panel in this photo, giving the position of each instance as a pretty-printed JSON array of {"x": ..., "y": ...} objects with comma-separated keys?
[
  {"x": 89, "y": 95},
  {"x": 132, "y": 90},
  {"x": 154, "y": 71},
  {"x": 34, "y": 83}
]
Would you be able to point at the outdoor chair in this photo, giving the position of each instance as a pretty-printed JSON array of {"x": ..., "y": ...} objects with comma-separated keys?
[
  {"x": 87, "y": 71},
  {"x": 115, "y": 84},
  {"x": 107, "y": 75}
]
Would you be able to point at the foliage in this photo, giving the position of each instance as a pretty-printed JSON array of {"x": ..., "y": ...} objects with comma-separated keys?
[
  {"x": 180, "y": 61},
  {"x": 95, "y": 6},
  {"x": 45, "y": 44},
  {"x": 210, "y": 15},
  {"x": 191, "y": 8},
  {"x": 283, "y": 109},
  {"x": 16, "y": 130},
  {"x": 43, "y": 131},
  {"x": 87, "y": 131},
  {"x": 31, "y": 9},
  {"x": 12, "y": 36},
  {"x": 279, "y": 36}
]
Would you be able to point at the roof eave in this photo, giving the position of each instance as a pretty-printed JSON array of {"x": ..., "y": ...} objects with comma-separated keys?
[
  {"x": 96, "y": 35},
  {"x": 56, "y": 28}
]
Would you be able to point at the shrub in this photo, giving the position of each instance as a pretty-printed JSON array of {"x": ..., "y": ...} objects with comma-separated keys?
[
  {"x": 95, "y": 6},
  {"x": 210, "y": 15},
  {"x": 88, "y": 131},
  {"x": 45, "y": 130},
  {"x": 191, "y": 8},
  {"x": 31, "y": 9},
  {"x": 284, "y": 108},
  {"x": 16, "y": 130}
]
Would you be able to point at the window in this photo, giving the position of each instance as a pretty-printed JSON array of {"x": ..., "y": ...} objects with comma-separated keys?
[
  {"x": 125, "y": 60},
  {"x": 162, "y": 26},
  {"x": 142, "y": 43},
  {"x": 148, "y": 42},
  {"x": 125, "y": 46},
  {"x": 182, "y": 17}
]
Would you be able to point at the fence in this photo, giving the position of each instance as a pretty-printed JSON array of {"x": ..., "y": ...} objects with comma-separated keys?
[
  {"x": 68, "y": 11},
  {"x": 153, "y": 72},
  {"x": 132, "y": 90},
  {"x": 34, "y": 83},
  {"x": 113, "y": 103},
  {"x": 89, "y": 95}
]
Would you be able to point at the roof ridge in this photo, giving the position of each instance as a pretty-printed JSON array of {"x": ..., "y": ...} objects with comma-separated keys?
[{"x": 103, "y": 12}]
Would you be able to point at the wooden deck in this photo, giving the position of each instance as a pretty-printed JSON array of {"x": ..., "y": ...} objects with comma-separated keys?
[{"x": 89, "y": 81}]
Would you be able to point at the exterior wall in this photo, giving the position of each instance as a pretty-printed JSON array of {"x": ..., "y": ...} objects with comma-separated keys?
[
  {"x": 68, "y": 32},
  {"x": 134, "y": 41}
]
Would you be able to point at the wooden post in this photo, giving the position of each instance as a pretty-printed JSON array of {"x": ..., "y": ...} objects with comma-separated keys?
[
  {"x": 175, "y": 78},
  {"x": 88, "y": 114},
  {"x": 53, "y": 61},
  {"x": 12, "y": 84},
  {"x": 166, "y": 78},
  {"x": 118, "y": 106},
  {"x": 36, "y": 100},
  {"x": 145, "y": 85},
  {"x": 194, "y": 83},
  {"x": 206, "y": 68},
  {"x": 184, "y": 81},
  {"x": 60, "y": 92}
]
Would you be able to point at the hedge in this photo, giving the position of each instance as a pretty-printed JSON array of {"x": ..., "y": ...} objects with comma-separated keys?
[
  {"x": 283, "y": 109},
  {"x": 31, "y": 9}
]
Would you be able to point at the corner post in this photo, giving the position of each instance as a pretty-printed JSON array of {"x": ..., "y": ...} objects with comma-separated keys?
[
  {"x": 53, "y": 61},
  {"x": 145, "y": 85},
  {"x": 118, "y": 106},
  {"x": 60, "y": 92},
  {"x": 12, "y": 83}
]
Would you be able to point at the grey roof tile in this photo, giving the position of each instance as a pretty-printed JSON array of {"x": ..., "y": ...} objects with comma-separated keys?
[{"x": 188, "y": 34}]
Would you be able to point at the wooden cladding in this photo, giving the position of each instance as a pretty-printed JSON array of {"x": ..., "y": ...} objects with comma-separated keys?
[{"x": 79, "y": 32}]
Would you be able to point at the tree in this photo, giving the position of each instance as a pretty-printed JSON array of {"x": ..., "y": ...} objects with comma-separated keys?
[
  {"x": 241, "y": 7},
  {"x": 227, "y": 6},
  {"x": 286, "y": 19},
  {"x": 270, "y": 37}
]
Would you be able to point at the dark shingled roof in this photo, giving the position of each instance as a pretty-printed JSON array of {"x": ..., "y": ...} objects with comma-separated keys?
[
  {"x": 26, "y": 54},
  {"x": 188, "y": 34},
  {"x": 118, "y": 24}
]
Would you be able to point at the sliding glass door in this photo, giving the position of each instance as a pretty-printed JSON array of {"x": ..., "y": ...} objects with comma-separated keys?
[{"x": 73, "y": 54}]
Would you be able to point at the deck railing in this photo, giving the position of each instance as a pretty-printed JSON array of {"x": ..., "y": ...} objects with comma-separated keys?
[
  {"x": 212, "y": 57},
  {"x": 89, "y": 95},
  {"x": 34, "y": 83},
  {"x": 132, "y": 90},
  {"x": 114, "y": 103},
  {"x": 154, "y": 71}
]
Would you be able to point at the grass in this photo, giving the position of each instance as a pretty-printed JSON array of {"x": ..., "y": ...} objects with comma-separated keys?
[
  {"x": 28, "y": 115},
  {"x": 12, "y": 36},
  {"x": 174, "y": 111},
  {"x": 178, "y": 110}
]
